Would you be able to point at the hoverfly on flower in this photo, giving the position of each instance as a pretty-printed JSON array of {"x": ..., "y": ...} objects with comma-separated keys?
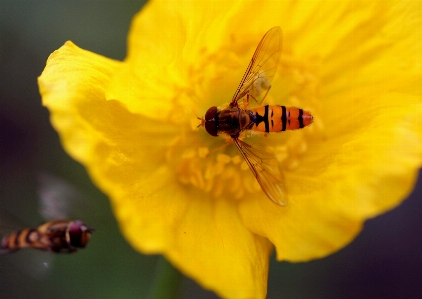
[{"x": 238, "y": 117}]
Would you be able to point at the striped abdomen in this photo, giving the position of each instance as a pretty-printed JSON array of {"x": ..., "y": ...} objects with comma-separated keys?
[
  {"x": 273, "y": 118},
  {"x": 25, "y": 238}
]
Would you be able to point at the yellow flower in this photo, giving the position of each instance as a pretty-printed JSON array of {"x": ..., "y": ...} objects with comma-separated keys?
[{"x": 355, "y": 66}]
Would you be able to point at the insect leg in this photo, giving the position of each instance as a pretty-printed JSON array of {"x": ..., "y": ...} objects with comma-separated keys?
[
  {"x": 246, "y": 102},
  {"x": 228, "y": 141},
  {"x": 263, "y": 98}
]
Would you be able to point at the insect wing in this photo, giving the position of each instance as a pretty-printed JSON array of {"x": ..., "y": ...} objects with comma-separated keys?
[
  {"x": 262, "y": 67},
  {"x": 35, "y": 263},
  {"x": 61, "y": 200},
  {"x": 265, "y": 167},
  {"x": 58, "y": 200},
  {"x": 64, "y": 204}
]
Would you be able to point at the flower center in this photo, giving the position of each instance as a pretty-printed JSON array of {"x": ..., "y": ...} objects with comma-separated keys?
[{"x": 214, "y": 165}]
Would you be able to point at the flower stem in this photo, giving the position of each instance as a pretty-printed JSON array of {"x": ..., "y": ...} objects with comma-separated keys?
[{"x": 166, "y": 281}]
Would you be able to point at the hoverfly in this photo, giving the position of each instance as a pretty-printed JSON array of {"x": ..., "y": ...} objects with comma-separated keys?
[
  {"x": 234, "y": 119},
  {"x": 56, "y": 235}
]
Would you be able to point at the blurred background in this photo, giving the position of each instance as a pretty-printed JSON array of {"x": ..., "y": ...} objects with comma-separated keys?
[{"x": 385, "y": 261}]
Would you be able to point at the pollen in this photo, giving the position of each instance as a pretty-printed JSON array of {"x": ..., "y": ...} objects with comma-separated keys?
[
  {"x": 215, "y": 173},
  {"x": 215, "y": 166},
  {"x": 223, "y": 158},
  {"x": 237, "y": 159},
  {"x": 203, "y": 152},
  {"x": 301, "y": 76}
]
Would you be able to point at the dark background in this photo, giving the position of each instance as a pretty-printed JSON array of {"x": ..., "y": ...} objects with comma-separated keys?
[{"x": 385, "y": 261}]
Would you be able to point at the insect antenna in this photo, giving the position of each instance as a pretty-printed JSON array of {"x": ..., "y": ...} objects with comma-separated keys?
[{"x": 202, "y": 123}]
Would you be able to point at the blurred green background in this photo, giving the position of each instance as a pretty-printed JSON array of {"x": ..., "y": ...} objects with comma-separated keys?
[{"x": 385, "y": 261}]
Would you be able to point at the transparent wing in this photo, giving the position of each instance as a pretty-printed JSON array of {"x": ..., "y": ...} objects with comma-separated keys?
[
  {"x": 37, "y": 264},
  {"x": 262, "y": 68},
  {"x": 61, "y": 200},
  {"x": 58, "y": 200},
  {"x": 265, "y": 167}
]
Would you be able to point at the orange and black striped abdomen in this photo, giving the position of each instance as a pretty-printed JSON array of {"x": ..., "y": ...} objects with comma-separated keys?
[
  {"x": 42, "y": 237},
  {"x": 273, "y": 118},
  {"x": 22, "y": 239}
]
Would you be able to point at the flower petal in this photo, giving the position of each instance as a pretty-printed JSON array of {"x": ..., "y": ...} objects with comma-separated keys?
[
  {"x": 204, "y": 238},
  {"x": 124, "y": 154},
  {"x": 74, "y": 76},
  {"x": 366, "y": 160},
  {"x": 163, "y": 62},
  {"x": 119, "y": 120},
  {"x": 353, "y": 177},
  {"x": 159, "y": 59}
]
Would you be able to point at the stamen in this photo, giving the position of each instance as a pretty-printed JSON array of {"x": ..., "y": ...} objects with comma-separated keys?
[
  {"x": 206, "y": 163},
  {"x": 223, "y": 158},
  {"x": 236, "y": 159},
  {"x": 203, "y": 152}
]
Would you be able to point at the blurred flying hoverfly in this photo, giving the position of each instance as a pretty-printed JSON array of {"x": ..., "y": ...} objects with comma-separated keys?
[
  {"x": 56, "y": 235},
  {"x": 237, "y": 117}
]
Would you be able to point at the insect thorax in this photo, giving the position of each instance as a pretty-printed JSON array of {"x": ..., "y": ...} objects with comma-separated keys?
[{"x": 233, "y": 120}]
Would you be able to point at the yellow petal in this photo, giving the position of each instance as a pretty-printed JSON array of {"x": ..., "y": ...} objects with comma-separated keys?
[
  {"x": 366, "y": 159},
  {"x": 204, "y": 238},
  {"x": 352, "y": 178},
  {"x": 73, "y": 77},
  {"x": 175, "y": 190},
  {"x": 159, "y": 59}
]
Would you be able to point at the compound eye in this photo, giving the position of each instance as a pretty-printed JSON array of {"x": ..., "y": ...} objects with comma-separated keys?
[
  {"x": 79, "y": 234},
  {"x": 211, "y": 113},
  {"x": 210, "y": 121}
]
